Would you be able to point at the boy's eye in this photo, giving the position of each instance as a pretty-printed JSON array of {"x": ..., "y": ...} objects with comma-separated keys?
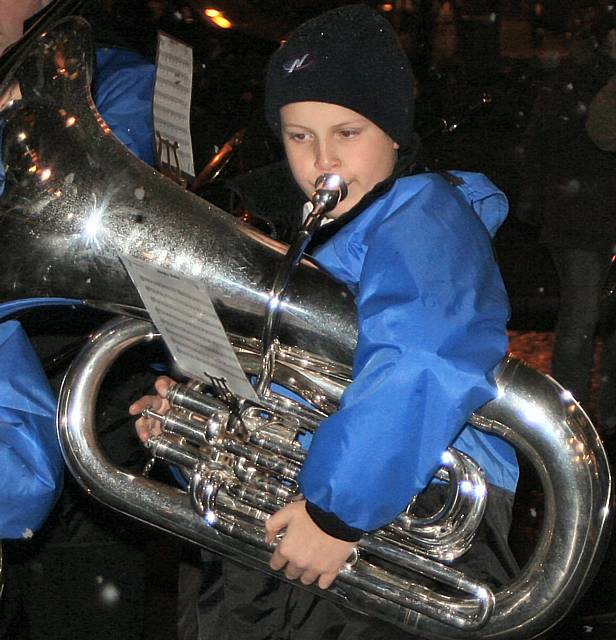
[
  {"x": 348, "y": 133},
  {"x": 298, "y": 136}
]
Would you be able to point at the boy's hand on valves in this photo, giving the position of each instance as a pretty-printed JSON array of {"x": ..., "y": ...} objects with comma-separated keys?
[
  {"x": 305, "y": 552},
  {"x": 147, "y": 427}
]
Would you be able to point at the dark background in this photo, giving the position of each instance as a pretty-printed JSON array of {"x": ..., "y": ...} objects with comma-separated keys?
[{"x": 478, "y": 65}]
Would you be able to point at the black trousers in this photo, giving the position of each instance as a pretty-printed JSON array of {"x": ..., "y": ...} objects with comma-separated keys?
[
  {"x": 221, "y": 600},
  {"x": 582, "y": 275}
]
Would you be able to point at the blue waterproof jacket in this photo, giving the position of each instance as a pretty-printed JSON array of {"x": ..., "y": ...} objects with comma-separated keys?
[
  {"x": 30, "y": 459},
  {"x": 31, "y": 467},
  {"x": 122, "y": 89},
  {"x": 432, "y": 312}
]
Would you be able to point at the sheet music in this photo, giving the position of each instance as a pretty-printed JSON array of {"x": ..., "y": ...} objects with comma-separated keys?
[
  {"x": 183, "y": 312},
  {"x": 172, "y": 95}
]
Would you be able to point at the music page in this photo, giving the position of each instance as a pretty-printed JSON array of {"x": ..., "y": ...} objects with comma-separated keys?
[{"x": 183, "y": 312}]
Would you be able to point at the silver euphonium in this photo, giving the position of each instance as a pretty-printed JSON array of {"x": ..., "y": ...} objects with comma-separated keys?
[{"x": 76, "y": 198}]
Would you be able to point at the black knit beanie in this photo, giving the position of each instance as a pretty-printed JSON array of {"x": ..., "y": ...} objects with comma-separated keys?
[{"x": 350, "y": 57}]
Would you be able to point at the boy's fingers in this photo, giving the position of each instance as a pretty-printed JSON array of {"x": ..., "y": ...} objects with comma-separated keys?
[
  {"x": 147, "y": 427},
  {"x": 275, "y": 523},
  {"x": 308, "y": 577},
  {"x": 146, "y": 402},
  {"x": 326, "y": 580},
  {"x": 277, "y": 562},
  {"x": 157, "y": 402},
  {"x": 137, "y": 407},
  {"x": 163, "y": 384},
  {"x": 292, "y": 572},
  {"x": 143, "y": 432}
]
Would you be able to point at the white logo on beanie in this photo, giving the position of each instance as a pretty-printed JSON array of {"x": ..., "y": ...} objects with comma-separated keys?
[{"x": 298, "y": 64}]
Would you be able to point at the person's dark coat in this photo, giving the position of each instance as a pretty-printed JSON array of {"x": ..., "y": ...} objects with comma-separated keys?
[{"x": 569, "y": 184}]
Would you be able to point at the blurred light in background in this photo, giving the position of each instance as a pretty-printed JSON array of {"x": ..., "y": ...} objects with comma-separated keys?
[{"x": 216, "y": 17}]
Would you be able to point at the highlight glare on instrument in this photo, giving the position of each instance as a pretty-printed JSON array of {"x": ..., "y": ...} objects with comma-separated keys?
[
  {"x": 187, "y": 263},
  {"x": 466, "y": 487},
  {"x": 534, "y": 414},
  {"x": 567, "y": 396},
  {"x": 156, "y": 255},
  {"x": 481, "y": 593},
  {"x": 480, "y": 491},
  {"x": 93, "y": 226},
  {"x": 274, "y": 302}
]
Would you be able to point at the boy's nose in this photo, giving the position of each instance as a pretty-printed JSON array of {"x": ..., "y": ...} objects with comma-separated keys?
[{"x": 326, "y": 157}]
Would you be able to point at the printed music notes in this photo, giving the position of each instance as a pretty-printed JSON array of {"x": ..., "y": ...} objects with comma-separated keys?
[
  {"x": 182, "y": 311},
  {"x": 172, "y": 94}
]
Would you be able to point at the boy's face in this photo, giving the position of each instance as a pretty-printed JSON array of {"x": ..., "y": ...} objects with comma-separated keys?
[{"x": 322, "y": 138}]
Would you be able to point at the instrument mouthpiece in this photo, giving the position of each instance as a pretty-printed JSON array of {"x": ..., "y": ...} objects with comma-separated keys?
[{"x": 329, "y": 190}]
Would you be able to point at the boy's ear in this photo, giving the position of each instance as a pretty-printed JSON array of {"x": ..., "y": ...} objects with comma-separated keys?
[{"x": 396, "y": 146}]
